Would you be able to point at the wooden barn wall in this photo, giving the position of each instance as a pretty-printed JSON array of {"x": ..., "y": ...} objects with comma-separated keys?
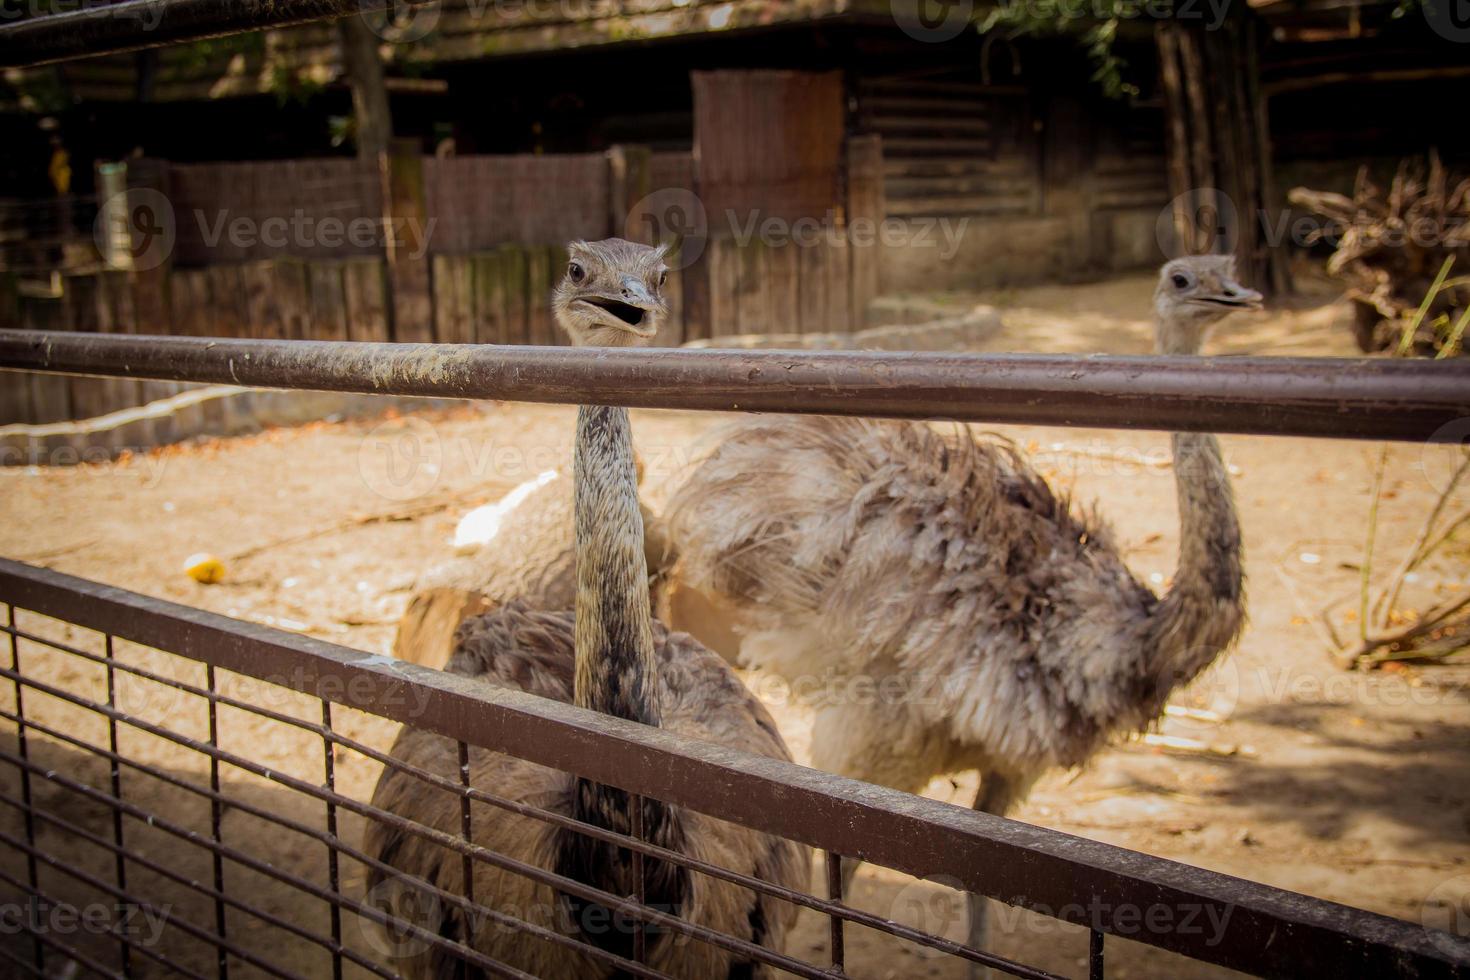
[
  {"x": 208, "y": 197},
  {"x": 479, "y": 202},
  {"x": 1049, "y": 183},
  {"x": 769, "y": 141}
]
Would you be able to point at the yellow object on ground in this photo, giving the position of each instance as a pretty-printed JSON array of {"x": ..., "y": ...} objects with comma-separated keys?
[{"x": 204, "y": 567}]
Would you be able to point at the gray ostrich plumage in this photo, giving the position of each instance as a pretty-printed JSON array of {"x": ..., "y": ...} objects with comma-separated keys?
[
  {"x": 609, "y": 655},
  {"x": 993, "y": 625}
]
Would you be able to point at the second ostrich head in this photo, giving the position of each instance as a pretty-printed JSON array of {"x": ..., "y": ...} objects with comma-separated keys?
[
  {"x": 1194, "y": 293},
  {"x": 612, "y": 293}
]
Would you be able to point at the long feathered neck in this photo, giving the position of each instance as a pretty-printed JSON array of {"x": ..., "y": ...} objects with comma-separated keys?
[
  {"x": 1204, "y": 609},
  {"x": 616, "y": 673}
]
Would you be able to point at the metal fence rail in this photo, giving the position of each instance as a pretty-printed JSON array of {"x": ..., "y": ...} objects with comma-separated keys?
[
  {"x": 1363, "y": 398},
  {"x": 1267, "y": 931}
]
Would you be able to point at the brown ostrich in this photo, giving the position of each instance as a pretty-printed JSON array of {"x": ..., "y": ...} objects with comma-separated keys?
[{"x": 607, "y": 655}]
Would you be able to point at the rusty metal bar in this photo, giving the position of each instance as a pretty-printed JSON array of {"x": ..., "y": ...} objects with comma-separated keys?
[
  {"x": 1354, "y": 398},
  {"x": 835, "y": 924},
  {"x": 32, "y": 873},
  {"x": 1095, "y": 942},
  {"x": 467, "y": 865},
  {"x": 120, "y": 863},
  {"x": 131, "y": 25},
  {"x": 216, "y": 820},
  {"x": 1270, "y": 932},
  {"x": 334, "y": 877}
]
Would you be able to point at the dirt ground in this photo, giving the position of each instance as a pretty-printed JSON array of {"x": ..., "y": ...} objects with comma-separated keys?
[{"x": 1351, "y": 787}]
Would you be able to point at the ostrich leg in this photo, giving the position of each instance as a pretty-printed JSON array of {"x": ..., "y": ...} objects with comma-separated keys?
[{"x": 997, "y": 794}]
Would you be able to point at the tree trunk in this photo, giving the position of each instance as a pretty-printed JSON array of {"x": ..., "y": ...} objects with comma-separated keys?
[
  {"x": 364, "y": 67},
  {"x": 1220, "y": 148}
]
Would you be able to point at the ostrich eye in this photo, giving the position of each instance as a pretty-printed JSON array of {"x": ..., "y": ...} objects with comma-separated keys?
[
  {"x": 576, "y": 273},
  {"x": 1180, "y": 281}
]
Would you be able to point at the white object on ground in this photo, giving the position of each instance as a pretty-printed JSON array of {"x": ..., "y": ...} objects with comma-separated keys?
[{"x": 480, "y": 526}]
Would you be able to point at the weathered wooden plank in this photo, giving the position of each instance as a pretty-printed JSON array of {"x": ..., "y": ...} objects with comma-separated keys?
[
  {"x": 812, "y": 289},
  {"x": 453, "y": 317},
  {"x": 671, "y": 334},
  {"x": 365, "y": 286},
  {"x": 488, "y": 299},
  {"x": 293, "y": 294},
  {"x": 228, "y": 314},
  {"x": 723, "y": 258},
  {"x": 753, "y": 309},
  {"x": 866, "y": 209},
  {"x": 539, "y": 328},
  {"x": 783, "y": 301},
  {"x": 513, "y": 293},
  {"x": 408, "y": 265},
  {"x": 556, "y": 265},
  {"x": 839, "y": 279},
  {"x": 261, "y": 302},
  {"x": 188, "y": 298},
  {"x": 328, "y": 302}
]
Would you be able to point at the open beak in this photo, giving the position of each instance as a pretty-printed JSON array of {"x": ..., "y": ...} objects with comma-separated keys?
[
  {"x": 633, "y": 308},
  {"x": 1233, "y": 297}
]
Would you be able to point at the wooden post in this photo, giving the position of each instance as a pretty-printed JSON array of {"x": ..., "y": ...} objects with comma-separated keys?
[
  {"x": 1219, "y": 146},
  {"x": 406, "y": 216}
]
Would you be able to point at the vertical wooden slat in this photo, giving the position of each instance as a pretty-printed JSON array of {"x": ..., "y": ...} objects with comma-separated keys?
[
  {"x": 724, "y": 286},
  {"x": 365, "y": 283},
  {"x": 328, "y": 302},
  {"x": 538, "y": 296},
  {"x": 408, "y": 265},
  {"x": 263, "y": 310},
  {"x": 671, "y": 334},
  {"x": 489, "y": 304},
  {"x": 866, "y": 204},
  {"x": 783, "y": 300},
  {"x": 753, "y": 309},
  {"x": 812, "y": 289},
  {"x": 839, "y": 309},
  {"x": 228, "y": 305},
  {"x": 293, "y": 294},
  {"x": 453, "y": 323}
]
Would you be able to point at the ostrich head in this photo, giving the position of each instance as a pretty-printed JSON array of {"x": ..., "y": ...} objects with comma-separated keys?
[
  {"x": 611, "y": 295},
  {"x": 1195, "y": 293}
]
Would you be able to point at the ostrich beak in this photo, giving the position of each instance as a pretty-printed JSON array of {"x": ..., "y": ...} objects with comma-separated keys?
[
  {"x": 631, "y": 307},
  {"x": 1233, "y": 296}
]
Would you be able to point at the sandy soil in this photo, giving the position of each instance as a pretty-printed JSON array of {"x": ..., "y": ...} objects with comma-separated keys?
[{"x": 1349, "y": 787}]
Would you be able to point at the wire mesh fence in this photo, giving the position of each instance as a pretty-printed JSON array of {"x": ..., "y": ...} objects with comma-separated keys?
[{"x": 185, "y": 793}]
